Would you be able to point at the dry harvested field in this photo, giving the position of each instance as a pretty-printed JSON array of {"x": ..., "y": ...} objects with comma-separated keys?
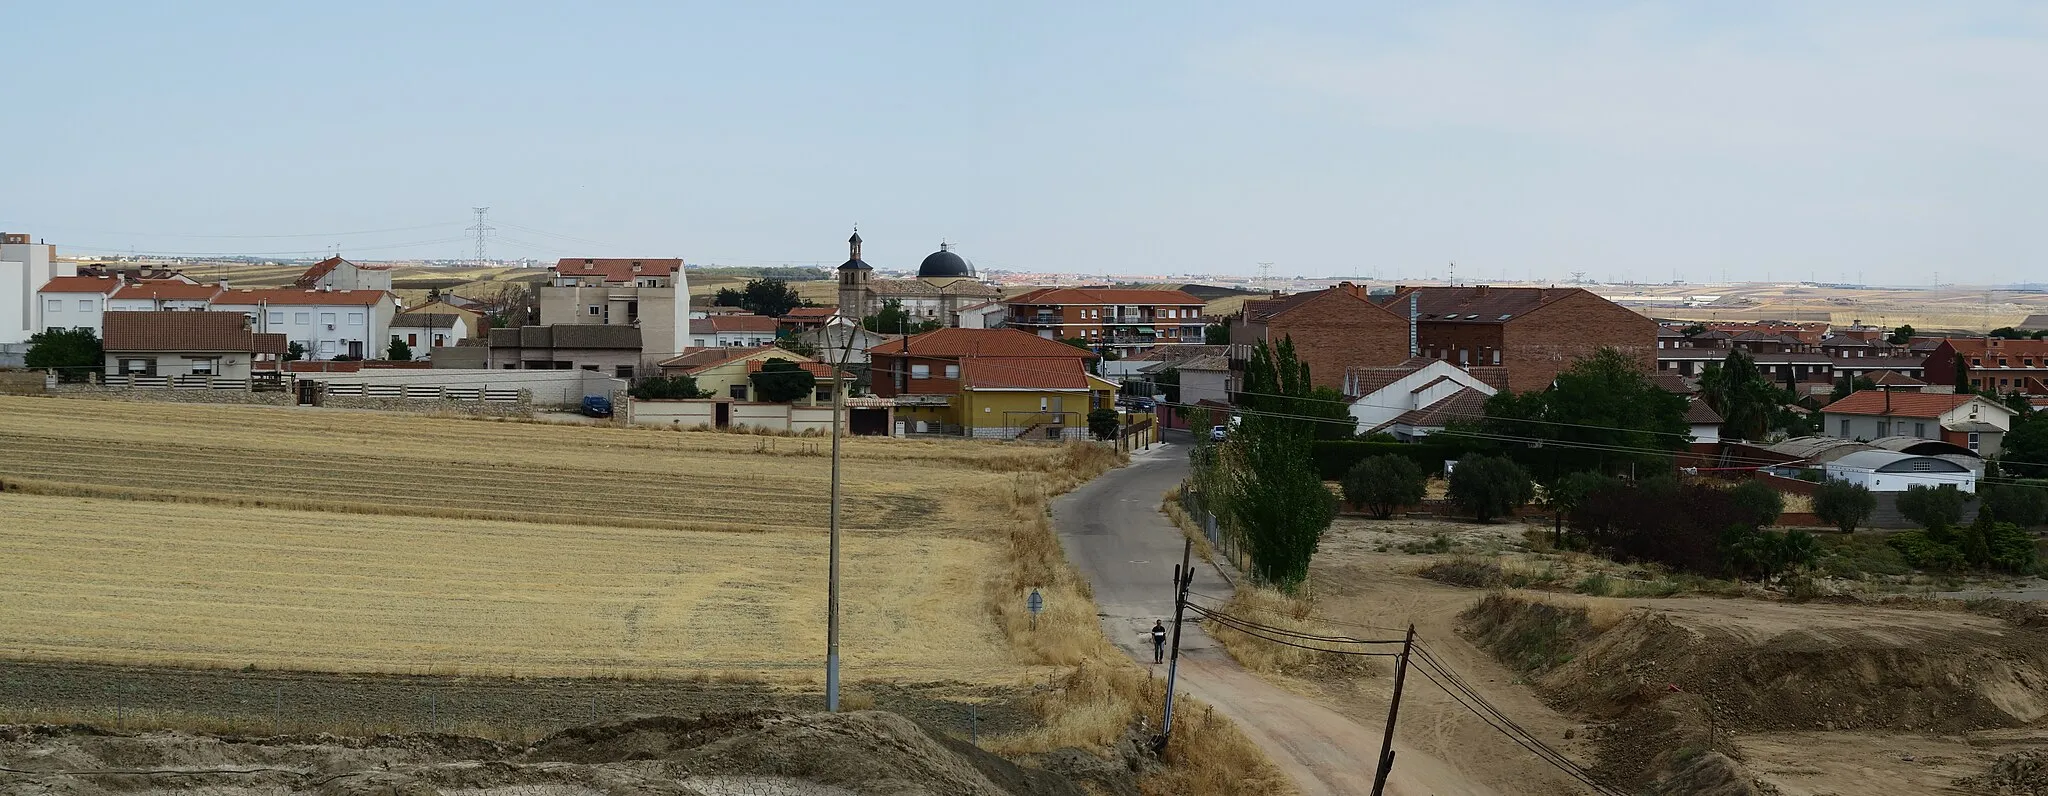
[{"x": 353, "y": 541}]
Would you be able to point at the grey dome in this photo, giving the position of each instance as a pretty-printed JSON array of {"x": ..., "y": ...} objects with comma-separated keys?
[{"x": 944, "y": 263}]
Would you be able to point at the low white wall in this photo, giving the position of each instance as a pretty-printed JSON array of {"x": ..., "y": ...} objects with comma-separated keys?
[
  {"x": 547, "y": 387},
  {"x": 700, "y": 411},
  {"x": 672, "y": 412}
]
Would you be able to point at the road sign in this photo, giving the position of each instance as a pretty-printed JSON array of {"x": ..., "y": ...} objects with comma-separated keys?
[{"x": 1036, "y": 604}]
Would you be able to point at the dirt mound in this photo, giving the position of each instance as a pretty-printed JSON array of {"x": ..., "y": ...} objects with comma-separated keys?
[
  {"x": 2023, "y": 773},
  {"x": 758, "y": 752}
]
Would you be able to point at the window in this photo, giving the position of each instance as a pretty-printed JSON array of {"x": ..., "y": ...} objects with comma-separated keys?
[
  {"x": 302, "y": 318},
  {"x": 737, "y": 391},
  {"x": 1464, "y": 357},
  {"x": 85, "y": 305},
  {"x": 327, "y": 318},
  {"x": 2001, "y": 362},
  {"x": 596, "y": 310},
  {"x": 54, "y": 305},
  {"x": 623, "y": 371},
  {"x": 952, "y": 371},
  {"x": 591, "y": 368},
  {"x": 355, "y": 319},
  {"x": 1973, "y": 441},
  {"x": 1496, "y": 356},
  {"x": 202, "y": 367},
  {"x": 1881, "y": 430},
  {"x": 511, "y": 366},
  {"x": 327, "y": 346},
  {"x": 412, "y": 340},
  {"x": 1920, "y": 430},
  {"x": 440, "y": 339},
  {"x": 277, "y": 317},
  {"x": 920, "y": 371},
  {"x": 139, "y": 367},
  {"x": 824, "y": 394},
  {"x": 1845, "y": 428}
]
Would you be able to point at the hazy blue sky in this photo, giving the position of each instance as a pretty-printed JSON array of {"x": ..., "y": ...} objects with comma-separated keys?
[{"x": 1760, "y": 140}]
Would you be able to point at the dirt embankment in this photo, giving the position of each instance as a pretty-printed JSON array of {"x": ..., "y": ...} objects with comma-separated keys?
[
  {"x": 751, "y": 752},
  {"x": 1675, "y": 686}
]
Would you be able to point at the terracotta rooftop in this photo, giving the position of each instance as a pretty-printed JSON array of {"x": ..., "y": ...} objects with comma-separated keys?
[
  {"x": 981, "y": 343},
  {"x": 208, "y": 332},
  {"x": 167, "y": 290},
  {"x": 1698, "y": 413},
  {"x": 1024, "y": 373},
  {"x": 81, "y": 284},
  {"x": 285, "y": 296},
  {"x": 696, "y": 360},
  {"x": 819, "y": 369},
  {"x": 1367, "y": 380},
  {"x": 1476, "y": 303},
  {"x": 812, "y": 313},
  {"x": 617, "y": 269},
  {"x": 1902, "y": 404},
  {"x": 1466, "y": 402},
  {"x": 1892, "y": 378},
  {"x": 324, "y": 267}
]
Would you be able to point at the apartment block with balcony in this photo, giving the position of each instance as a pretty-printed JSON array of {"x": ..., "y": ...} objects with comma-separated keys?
[
  {"x": 652, "y": 295},
  {"x": 1109, "y": 319}
]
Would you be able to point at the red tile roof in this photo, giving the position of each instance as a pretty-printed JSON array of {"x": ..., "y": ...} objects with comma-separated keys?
[
  {"x": 818, "y": 369},
  {"x": 981, "y": 343},
  {"x": 1477, "y": 303},
  {"x": 1466, "y": 402},
  {"x": 1984, "y": 347},
  {"x": 81, "y": 284},
  {"x": 617, "y": 269},
  {"x": 1098, "y": 295},
  {"x": 312, "y": 275},
  {"x": 812, "y": 313},
  {"x": 732, "y": 323},
  {"x": 1893, "y": 378},
  {"x": 209, "y": 332},
  {"x": 698, "y": 360},
  {"x": 1903, "y": 404},
  {"x": 1023, "y": 373},
  {"x": 166, "y": 290},
  {"x": 297, "y": 297}
]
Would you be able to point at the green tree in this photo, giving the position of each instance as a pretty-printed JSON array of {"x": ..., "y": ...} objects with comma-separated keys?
[
  {"x": 1603, "y": 414},
  {"x": 2025, "y": 449},
  {"x": 398, "y": 351},
  {"x": 1963, "y": 384},
  {"x": 2008, "y": 333},
  {"x": 1847, "y": 386},
  {"x": 1694, "y": 329},
  {"x": 1383, "y": 483},
  {"x": 1568, "y": 493},
  {"x": 796, "y": 345},
  {"x": 1745, "y": 399},
  {"x": 1489, "y": 486},
  {"x": 295, "y": 351},
  {"x": 667, "y": 387},
  {"x": 892, "y": 319},
  {"x": 1903, "y": 335},
  {"x": 1843, "y": 504},
  {"x": 1216, "y": 334},
  {"x": 1273, "y": 498},
  {"x": 2024, "y": 504},
  {"x": 74, "y": 353},
  {"x": 1102, "y": 423},
  {"x": 1333, "y": 413},
  {"x": 1935, "y": 508},
  {"x": 781, "y": 381},
  {"x": 766, "y": 296},
  {"x": 1759, "y": 503}
]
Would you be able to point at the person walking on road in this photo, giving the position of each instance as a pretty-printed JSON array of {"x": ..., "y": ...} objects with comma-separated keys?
[{"x": 1158, "y": 641}]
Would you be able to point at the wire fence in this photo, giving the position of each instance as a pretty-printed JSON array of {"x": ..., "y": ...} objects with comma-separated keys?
[{"x": 1224, "y": 544}]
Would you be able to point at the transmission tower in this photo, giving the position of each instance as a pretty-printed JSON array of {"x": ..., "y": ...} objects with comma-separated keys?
[
  {"x": 1265, "y": 275},
  {"x": 480, "y": 229}
]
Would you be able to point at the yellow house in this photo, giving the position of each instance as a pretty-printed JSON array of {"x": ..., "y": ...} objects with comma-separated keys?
[
  {"x": 728, "y": 372},
  {"x": 994, "y": 383}
]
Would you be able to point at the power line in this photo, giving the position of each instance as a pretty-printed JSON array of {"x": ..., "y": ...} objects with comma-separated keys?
[
  {"x": 480, "y": 228},
  {"x": 245, "y": 237}
]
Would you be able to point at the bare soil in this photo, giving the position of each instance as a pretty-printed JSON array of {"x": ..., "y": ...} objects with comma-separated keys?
[{"x": 744, "y": 752}]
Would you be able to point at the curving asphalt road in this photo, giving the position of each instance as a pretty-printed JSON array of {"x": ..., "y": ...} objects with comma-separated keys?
[{"x": 1116, "y": 536}]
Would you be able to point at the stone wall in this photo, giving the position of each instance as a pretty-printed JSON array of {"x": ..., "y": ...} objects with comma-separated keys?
[
  {"x": 241, "y": 397},
  {"x": 22, "y": 382},
  {"x": 523, "y": 408}
]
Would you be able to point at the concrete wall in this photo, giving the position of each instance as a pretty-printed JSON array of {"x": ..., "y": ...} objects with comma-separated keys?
[
  {"x": 663, "y": 315},
  {"x": 548, "y": 388},
  {"x": 701, "y": 412},
  {"x": 24, "y": 269}
]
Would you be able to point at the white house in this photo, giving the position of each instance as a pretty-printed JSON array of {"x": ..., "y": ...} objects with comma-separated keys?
[
  {"x": 727, "y": 331},
  {"x": 1704, "y": 422},
  {"x": 1971, "y": 421},
  {"x": 425, "y": 331},
  {"x": 335, "y": 273},
  {"x": 1892, "y": 471},
  {"x": 150, "y": 295},
  {"x": 986, "y": 315},
  {"x": 24, "y": 268},
  {"x": 1416, "y": 397},
  {"x": 328, "y": 323},
  {"x": 74, "y": 302}
]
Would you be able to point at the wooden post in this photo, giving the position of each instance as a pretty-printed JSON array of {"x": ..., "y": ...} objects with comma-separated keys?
[{"x": 1379, "y": 779}]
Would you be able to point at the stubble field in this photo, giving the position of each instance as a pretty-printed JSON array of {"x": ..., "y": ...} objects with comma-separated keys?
[{"x": 347, "y": 541}]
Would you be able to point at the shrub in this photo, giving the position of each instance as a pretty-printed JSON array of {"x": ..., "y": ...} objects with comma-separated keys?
[
  {"x": 1102, "y": 423},
  {"x": 782, "y": 381},
  {"x": 1384, "y": 483},
  {"x": 1857, "y": 556},
  {"x": 1334, "y": 458},
  {"x": 1596, "y": 584},
  {"x": 667, "y": 387},
  {"x": 1921, "y": 550},
  {"x": 1678, "y": 525},
  {"x": 1759, "y": 502},
  {"x": 1489, "y": 486},
  {"x": 74, "y": 353},
  {"x": 1935, "y": 508},
  {"x": 1468, "y": 572},
  {"x": 1843, "y": 504},
  {"x": 2022, "y": 504},
  {"x": 2011, "y": 548}
]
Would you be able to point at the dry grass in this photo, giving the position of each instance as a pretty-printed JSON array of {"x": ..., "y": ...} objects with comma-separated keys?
[
  {"x": 1272, "y": 608},
  {"x": 523, "y": 549},
  {"x": 1170, "y": 506}
]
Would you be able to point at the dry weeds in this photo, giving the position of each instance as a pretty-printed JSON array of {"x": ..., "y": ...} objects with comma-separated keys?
[{"x": 1274, "y": 609}]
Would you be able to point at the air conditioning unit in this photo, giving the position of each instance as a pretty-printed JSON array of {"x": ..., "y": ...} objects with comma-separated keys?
[{"x": 330, "y": 327}]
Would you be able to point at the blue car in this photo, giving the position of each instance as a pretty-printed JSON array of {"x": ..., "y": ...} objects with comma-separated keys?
[{"x": 597, "y": 406}]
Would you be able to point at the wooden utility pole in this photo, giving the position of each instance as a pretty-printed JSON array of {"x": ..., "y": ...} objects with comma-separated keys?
[
  {"x": 1379, "y": 778},
  {"x": 1183, "y": 576}
]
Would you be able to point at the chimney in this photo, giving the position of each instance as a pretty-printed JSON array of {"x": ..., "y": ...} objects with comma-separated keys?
[{"x": 1480, "y": 290}]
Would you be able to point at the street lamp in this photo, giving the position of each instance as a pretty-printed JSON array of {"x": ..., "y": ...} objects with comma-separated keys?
[{"x": 832, "y": 575}]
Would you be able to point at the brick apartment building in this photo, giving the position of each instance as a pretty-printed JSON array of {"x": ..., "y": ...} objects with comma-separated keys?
[
  {"x": 1535, "y": 333},
  {"x": 1991, "y": 364},
  {"x": 1125, "y": 321}
]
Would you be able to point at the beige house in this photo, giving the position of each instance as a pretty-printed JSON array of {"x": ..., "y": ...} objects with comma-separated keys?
[
  {"x": 202, "y": 344},
  {"x": 729, "y": 372},
  {"x": 651, "y": 295}
]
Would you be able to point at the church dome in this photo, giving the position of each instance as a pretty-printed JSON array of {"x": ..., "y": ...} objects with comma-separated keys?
[{"x": 943, "y": 264}]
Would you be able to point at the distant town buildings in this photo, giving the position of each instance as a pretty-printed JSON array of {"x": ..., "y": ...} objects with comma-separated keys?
[
  {"x": 1122, "y": 321},
  {"x": 650, "y": 296},
  {"x": 945, "y": 284}
]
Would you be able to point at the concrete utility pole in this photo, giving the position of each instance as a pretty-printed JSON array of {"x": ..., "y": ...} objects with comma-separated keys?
[{"x": 832, "y": 573}]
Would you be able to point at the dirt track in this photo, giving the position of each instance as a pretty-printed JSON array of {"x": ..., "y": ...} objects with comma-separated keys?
[{"x": 519, "y": 709}]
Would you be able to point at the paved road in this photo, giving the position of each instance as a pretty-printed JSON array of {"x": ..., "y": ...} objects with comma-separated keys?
[{"x": 1114, "y": 533}]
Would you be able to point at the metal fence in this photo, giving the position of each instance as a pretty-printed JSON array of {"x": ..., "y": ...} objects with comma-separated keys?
[{"x": 1224, "y": 543}]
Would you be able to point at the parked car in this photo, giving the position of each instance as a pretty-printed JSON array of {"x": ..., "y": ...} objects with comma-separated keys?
[
  {"x": 597, "y": 406},
  {"x": 1218, "y": 433}
]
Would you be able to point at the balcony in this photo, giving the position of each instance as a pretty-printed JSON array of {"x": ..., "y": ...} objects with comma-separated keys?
[{"x": 915, "y": 399}]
